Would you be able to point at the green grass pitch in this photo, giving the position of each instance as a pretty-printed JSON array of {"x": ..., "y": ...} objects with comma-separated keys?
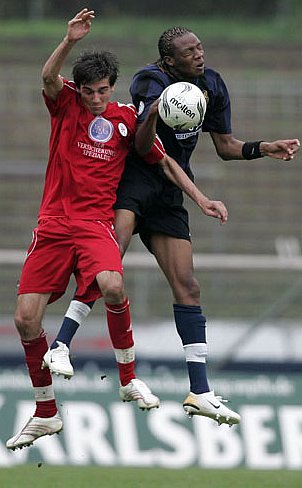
[{"x": 46, "y": 476}]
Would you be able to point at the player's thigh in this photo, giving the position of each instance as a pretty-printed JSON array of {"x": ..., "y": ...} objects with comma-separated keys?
[
  {"x": 50, "y": 260},
  {"x": 174, "y": 257},
  {"x": 125, "y": 221},
  {"x": 97, "y": 252}
]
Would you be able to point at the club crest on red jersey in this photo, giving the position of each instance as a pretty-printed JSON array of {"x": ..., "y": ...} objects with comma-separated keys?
[{"x": 100, "y": 129}]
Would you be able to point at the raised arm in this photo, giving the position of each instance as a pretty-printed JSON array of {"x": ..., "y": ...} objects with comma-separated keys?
[
  {"x": 146, "y": 131},
  {"x": 77, "y": 28},
  {"x": 212, "y": 208}
]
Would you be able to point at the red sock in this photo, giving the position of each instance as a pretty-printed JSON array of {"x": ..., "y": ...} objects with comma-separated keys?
[
  {"x": 40, "y": 378},
  {"x": 126, "y": 372},
  {"x": 119, "y": 325}
]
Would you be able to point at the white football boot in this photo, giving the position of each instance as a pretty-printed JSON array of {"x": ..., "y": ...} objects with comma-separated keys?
[
  {"x": 36, "y": 427},
  {"x": 209, "y": 405},
  {"x": 137, "y": 391},
  {"x": 58, "y": 361}
]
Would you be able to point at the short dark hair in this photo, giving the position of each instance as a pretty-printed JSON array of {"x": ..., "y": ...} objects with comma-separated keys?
[
  {"x": 165, "y": 41},
  {"x": 92, "y": 66}
]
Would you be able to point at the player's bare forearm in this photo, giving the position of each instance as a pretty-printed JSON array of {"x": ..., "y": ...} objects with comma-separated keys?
[
  {"x": 227, "y": 146},
  {"x": 146, "y": 131},
  {"x": 52, "y": 81},
  {"x": 77, "y": 28},
  {"x": 230, "y": 148},
  {"x": 176, "y": 174}
]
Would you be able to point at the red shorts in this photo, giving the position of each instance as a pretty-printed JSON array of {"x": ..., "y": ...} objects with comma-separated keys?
[{"x": 61, "y": 247}]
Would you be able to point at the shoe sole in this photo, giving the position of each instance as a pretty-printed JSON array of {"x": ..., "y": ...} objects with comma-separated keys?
[
  {"x": 30, "y": 443},
  {"x": 143, "y": 407},
  {"x": 67, "y": 376},
  {"x": 191, "y": 410}
]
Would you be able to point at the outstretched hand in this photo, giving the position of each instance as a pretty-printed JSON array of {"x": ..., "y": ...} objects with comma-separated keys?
[
  {"x": 80, "y": 25},
  {"x": 283, "y": 149},
  {"x": 216, "y": 209}
]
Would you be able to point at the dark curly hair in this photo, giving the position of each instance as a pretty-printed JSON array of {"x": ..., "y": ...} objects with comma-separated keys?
[
  {"x": 165, "y": 42},
  {"x": 92, "y": 66}
]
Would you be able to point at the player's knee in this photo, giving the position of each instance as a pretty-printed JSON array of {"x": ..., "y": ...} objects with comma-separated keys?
[
  {"x": 113, "y": 292},
  {"x": 122, "y": 249},
  {"x": 187, "y": 291},
  {"x": 194, "y": 289},
  {"x": 26, "y": 323}
]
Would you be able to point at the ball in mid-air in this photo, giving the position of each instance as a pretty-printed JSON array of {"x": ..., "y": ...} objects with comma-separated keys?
[{"x": 182, "y": 106}]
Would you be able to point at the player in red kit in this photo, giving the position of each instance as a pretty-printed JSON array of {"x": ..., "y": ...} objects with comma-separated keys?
[{"x": 90, "y": 138}]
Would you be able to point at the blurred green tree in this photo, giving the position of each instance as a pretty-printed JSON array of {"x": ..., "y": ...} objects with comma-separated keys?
[{"x": 40, "y": 9}]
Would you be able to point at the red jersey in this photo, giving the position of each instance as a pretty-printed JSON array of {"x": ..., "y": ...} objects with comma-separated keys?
[{"x": 87, "y": 156}]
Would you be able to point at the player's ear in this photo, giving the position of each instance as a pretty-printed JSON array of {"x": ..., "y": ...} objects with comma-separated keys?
[
  {"x": 169, "y": 60},
  {"x": 112, "y": 88}
]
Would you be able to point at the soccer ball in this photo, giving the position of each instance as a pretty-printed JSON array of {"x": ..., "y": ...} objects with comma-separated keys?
[{"x": 182, "y": 106}]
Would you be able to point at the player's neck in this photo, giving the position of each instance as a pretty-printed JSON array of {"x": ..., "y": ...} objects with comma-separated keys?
[{"x": 174, "y": 74}]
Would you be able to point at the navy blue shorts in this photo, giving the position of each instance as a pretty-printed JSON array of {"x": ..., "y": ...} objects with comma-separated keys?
[{"x": 157, "y": 202}]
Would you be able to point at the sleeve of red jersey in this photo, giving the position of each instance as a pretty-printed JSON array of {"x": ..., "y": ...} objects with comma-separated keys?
[
  {"x": 63, "y": 99},
  {"x": 156, "y": 153}
]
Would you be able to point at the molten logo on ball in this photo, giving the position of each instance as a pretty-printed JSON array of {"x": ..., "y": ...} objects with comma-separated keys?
[{"x": 182, "y": 106}]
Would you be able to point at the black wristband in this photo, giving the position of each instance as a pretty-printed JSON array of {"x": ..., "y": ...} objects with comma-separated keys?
[{"x": 251, "y": 150}]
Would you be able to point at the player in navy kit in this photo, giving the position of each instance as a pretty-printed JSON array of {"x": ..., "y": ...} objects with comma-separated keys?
[{"x": 151, "y": 205}]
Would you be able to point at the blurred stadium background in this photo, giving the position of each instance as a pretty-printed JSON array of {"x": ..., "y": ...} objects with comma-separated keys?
[{"x": 249, "y": 269}]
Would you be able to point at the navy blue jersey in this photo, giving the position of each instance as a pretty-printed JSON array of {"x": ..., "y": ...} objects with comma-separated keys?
[{"x": 147, "y": 86}]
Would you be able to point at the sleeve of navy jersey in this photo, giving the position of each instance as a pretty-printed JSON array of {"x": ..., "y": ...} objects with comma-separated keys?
[
  {"x": 157, "y": 151},
  {"x": 146, "y": 87},
  {"x": 218, "y": 113}
]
